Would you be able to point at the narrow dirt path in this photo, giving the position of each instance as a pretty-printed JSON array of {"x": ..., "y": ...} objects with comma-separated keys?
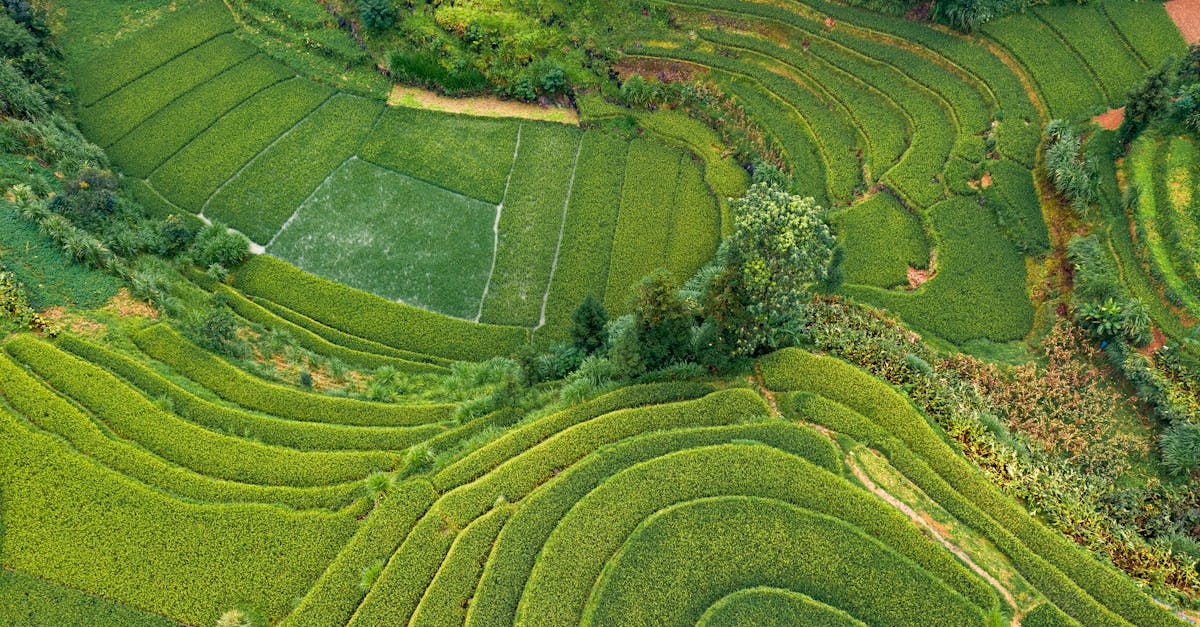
[
  {"x": 934, "y": 533},
  {"x": 756, "y": 380}
]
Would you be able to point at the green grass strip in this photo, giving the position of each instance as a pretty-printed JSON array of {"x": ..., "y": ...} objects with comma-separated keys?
[
  {"x": 108, "y": 120},
  {"x": 773, "y": 607},
  {"x": 191, "y": 176},
  {"x": 50, "y": 412},
  {"x": 134, "y": 417},
  {"x": 448, "y": 595},
  {"x": 163, "y": 134},
  {"x": 166, "y": 345},
  {"x": 530, "y": 222},
  {"x": 335, "y": 595},
  {"x": 596, "y": 526},
  {"x": 140, "y": 52},
  {"x": 521, "y": 541},
  {"x": 296, "y": 434},
  {"x": 371, "y": 317}
]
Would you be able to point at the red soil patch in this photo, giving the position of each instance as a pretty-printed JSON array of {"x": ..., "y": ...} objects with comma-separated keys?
[
  {"x": 1111, "y": 119},
  {"x": 1186, "y": 15},
  {"x": 1158, "y": 342}
]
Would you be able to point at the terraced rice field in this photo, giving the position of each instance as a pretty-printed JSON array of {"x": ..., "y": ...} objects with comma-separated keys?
[
  {"x": 218, "y": 488},
  {"x": 218, "y": 129},
  {"x": 1161, "y": 174},
  {"x": 862, "y": 105}
]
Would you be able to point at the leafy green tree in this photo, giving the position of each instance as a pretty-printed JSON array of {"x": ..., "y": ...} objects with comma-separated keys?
[
  {"x": 217, "y": 245},
  {"x": 664, "y": 325},
  {"x": 590, "y": 319},
  {"x": 781, "y": 246},
  {"x": 377, "y": 14},
  {"x": 624, "y": 349},
  {"x": 1146, "y": 101}
]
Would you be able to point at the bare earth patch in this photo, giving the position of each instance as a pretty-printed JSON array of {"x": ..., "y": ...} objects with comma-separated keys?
[
  {"x": 1111, "y": 120},
  {"x": 413, "y": 97},
  {"x": 984, "y": 182},
  {"x": 1186, "y": 15},
  {"x": 917, "y": 276},
  {"x": 125, "y": 305}
]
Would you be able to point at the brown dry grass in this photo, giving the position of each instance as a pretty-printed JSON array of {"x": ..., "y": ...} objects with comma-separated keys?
[{"x": 482, "y": 106}]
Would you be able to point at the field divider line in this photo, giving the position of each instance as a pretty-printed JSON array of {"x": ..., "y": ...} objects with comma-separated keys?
[
  {"x": 1083, "y": 60},
  {"x": 214, "y": 123},
  {"x": 143, "y": 74},
  {"x": 260, "y": 153},
  {"x": 420, "y": 180},
  {"x": 562, "y": 227},
  {"x": 296, "y": 212},
  {"x": 496, "y": 224},
  {"x": 183, "y": 95}
]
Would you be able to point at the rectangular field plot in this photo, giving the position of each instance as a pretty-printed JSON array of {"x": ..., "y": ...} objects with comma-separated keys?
[
  {"x": 171, "y": 128},
  {"x": 644, "y": 223},
  {"x": 1090, "y": 34},
  {"x": 588, "y": 232},
  {"x": 262, "y": 196},
  {"x": 696, "y": 223},
  {"x": 530, "y": 223},
  {"x": 114, "y": 116},
  {"x": 471, "y": 156},
  {"x": 394, "y": 236},
  {"x": 196, "y": 171}
]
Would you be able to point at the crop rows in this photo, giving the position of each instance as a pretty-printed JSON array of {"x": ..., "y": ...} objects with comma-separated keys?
[
  {"x": 110, "y": 119},
  {"x": 1090, "y": 35},
  {"x": 1148, "y": 30},
  {"x": 531, "y": 219},
  {"x": 161, "y": 135},
  {"x": 1152, "y": 212},
  {"x": 100, "y": 530},
  {"x": 191, "y": 176},
  {"x": 589, "y": 230},
  {"x": 643, "y": 230},
  {"x": 1066, "y": 83},
  {"x": 293, "y": 167},
  {"x": 143, "y": 51},
  {"x": 168, "y": 347},
  {"x": 373, "y": 318}
]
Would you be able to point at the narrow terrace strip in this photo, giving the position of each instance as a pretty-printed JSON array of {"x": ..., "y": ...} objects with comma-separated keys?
[
  {"x": 496, "y": 226},
  {"x": 562, "y": 226}
]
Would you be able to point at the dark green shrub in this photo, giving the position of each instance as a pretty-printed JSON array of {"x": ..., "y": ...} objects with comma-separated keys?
[
  {"x": 217, "y": 245},
  {"x": 589, "y": 319},
  {"x": 377, "y": 14}
]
